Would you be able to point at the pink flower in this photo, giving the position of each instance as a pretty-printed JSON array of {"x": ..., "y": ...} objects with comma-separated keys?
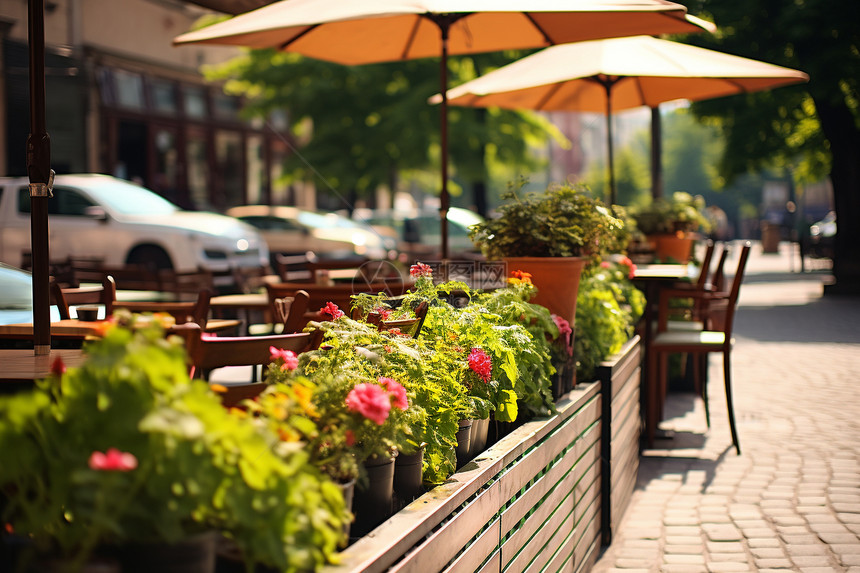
[
  {"x": 396, "y": 391},
  {"x": 112, "y": 460},
  {"x": 564, "y": 330},
  {"x": 290, "y": 360},
  {"x": 58, "y": 367},
  {"x": 370, "y": 401},
  {"x": 332, "y": 310},
  {"x": 480, "y": 363},
  {"x": 419, "y": 270},
  {"x": 605, "y": 264},
  {"x": 631, "y": 265}
]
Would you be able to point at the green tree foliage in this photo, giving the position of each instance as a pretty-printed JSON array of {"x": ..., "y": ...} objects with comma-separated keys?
[
  {"x": 361, "y": 127},
  {"x": 813, "y": 128}
]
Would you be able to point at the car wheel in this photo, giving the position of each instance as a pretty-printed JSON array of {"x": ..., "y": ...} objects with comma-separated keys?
[{"x": 149, "y": 256}]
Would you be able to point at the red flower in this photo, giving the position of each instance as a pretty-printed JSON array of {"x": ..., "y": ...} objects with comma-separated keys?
[
  {"x": 332, "y": 310},
  {"x": 58, "y": 367},
  {"x": 605, "y": 264},
  {"x": 290, "y": 360},
  {"x": 480, "y": 364},
  {"x": 350, "y": 438},
  {"x": 396, "y": 391},
  {"x": 370, "y": 401},
  {"x": 113, "y": 460},
  {"x": 631, "y": 265},
  {"x": 419, "y": 270}
]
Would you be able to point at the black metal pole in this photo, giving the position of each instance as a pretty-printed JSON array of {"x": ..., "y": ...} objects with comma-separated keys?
[
  {"x": 656, "y": 154},
  {"x": 444, "y": 199},
  {"x": 40, "y": 174},
  {"x": 610, "y": 162}
]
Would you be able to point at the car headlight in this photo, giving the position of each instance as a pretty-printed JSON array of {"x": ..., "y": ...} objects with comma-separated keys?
[{"x": 242, "y": 245}]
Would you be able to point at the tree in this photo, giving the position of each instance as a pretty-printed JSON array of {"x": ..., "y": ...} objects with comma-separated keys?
[
  {"x": 813, "y": 129},
  {"x": 362, "y": 127}
]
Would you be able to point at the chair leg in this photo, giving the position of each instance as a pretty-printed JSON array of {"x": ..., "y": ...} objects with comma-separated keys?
[
  {"x": 651, "y": 401},
  {"x": 727, "y": 373},
  {"x": 700, "y": 366}
]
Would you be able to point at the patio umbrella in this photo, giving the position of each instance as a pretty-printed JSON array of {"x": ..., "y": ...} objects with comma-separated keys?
[
  {"x": 621, "y": 73},
  {"x": 372, "y": 31},
  {"x": 40, "y": 175}
]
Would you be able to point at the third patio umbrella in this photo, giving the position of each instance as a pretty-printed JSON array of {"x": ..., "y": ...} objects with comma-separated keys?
[
  {"x": 621, "y": 73},
  {"x": 371, "y": 31}
]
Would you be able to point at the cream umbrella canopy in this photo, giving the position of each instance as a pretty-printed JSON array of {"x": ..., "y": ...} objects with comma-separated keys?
[
  {"x": 615, "y": 74},
  {"x": 371, "y": 31}
]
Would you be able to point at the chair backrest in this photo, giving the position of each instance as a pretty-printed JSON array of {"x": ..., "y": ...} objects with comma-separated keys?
[
  {"x": 706, "y": 265},
  {"x": 191, "y": 311},
  {"x": 65, "y": 298},
  {"x": 718, "y": 279},
  {"x": 293, "y": 268},
  {"x": 735, "y": 290},
  {"x": 290, "y": 311},
  {"x": 208, "y": 353},
  {"x": 339, "y": 294}
]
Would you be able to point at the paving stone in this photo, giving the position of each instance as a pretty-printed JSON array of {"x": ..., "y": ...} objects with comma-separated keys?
[
  {"x": 763, "y": 542},
  {"x": 683, "y": 568},
  {"x": 783, "y": 563},
  {"x": 767, "y": 552},
  {"x": 726, "y": 567},
  {"x": 684, "y": 559},
  {"x": 850, "y": 559},
  {"x": 721, "y": 532},
  {"x": 725, "y": 547}
]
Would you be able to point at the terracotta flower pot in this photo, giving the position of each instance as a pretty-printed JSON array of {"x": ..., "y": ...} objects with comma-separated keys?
[
  {"x": 556, "y": 279},
  {"x": 671, "y": 246}
]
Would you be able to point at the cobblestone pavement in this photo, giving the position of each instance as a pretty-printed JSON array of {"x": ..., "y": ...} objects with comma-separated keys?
[{"x": 791, "y": 500}]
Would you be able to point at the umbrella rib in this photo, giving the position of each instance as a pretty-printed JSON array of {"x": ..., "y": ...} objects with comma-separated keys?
[
  {"x": 549, "y": 95},
  {"x": 297, "y": 37},
  {"x": 538, "y": 27}
]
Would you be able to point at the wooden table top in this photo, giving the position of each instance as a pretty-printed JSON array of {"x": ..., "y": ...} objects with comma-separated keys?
[
  {"x": 663, "y": 271},
  {"x": 72, "y": 328},
  {"x": 253, "y": 301},
  {"x": 24, "y": 365}
]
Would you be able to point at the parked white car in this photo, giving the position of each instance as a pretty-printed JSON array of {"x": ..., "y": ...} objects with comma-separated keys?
[
  {"x": 289, "y": 230},
  {"x": 102, "y": 217}
]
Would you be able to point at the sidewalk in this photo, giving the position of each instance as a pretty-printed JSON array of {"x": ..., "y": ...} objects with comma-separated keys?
[{"x": 791, "y": 500}]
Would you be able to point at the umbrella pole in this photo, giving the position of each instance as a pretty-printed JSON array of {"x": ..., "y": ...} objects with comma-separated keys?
[
  {"x": 607, "y": 85},
  {"x": 41, "y": 180},
  {"x": 444, "y": 200},
  {"x": 656, "y": 154}
]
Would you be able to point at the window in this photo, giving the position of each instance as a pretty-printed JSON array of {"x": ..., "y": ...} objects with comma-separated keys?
[
  {"x": 129, "y": 90},
  {"x": 163, "y": 94},
  {"x": 65, "y": 202},
  {"x": 195, "y": 102}
]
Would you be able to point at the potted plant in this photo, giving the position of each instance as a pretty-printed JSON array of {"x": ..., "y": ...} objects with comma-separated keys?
[
  {"x": 607, "y": 311},
  {"x": 551, "y": 235},
  {"x": 126, "y": 456},
  {"x": 669, "y": 225}
]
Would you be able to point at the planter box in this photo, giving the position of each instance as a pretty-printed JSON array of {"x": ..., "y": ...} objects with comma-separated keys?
[
  {"x": 531, "y": 501},
  {"x": 544, "y": 498},
  {"x": 619, "y": 387}
]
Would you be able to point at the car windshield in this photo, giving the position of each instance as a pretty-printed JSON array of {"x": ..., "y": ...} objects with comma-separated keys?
[{"x": 127, "y": 198}]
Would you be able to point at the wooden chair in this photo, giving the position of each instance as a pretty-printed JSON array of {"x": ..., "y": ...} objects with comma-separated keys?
[
  {"x": 65, "y": 298},
  {"x": 208, "y": 353},
  {"x": 191, "y": 311},
  {"x": 290, "y": 311},
  {"x": 701, "y": 342}
]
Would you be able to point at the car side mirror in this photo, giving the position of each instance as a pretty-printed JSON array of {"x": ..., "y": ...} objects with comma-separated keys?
[{"x": 96, "y": 212}]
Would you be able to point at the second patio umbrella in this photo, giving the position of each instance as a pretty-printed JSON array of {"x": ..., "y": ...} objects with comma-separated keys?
[
  {"x": 371, "y": 31},
  {"x": 621, "y": 73}
]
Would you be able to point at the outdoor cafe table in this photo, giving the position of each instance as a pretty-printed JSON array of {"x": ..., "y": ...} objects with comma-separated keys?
[
  {"x": 73, "y": 328},
  {"x": 20, "y": 367},
  {"x": 651, "y": 278}
]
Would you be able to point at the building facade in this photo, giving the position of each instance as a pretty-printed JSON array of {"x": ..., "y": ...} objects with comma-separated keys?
[{"x": 122, "y": 100}]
